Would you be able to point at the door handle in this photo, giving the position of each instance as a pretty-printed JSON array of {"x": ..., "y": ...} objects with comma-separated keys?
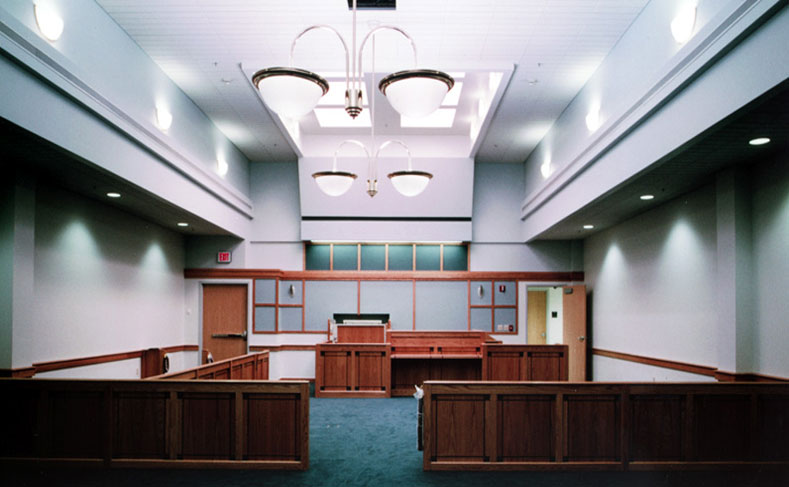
[
  {"x": 581, "y": 338},
  {"x": 230, "y": 335}
]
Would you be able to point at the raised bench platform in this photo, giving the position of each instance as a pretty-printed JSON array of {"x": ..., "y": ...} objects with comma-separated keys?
[
  {"x": 605, "y": 426},
  {"x": 410, "y": 358}
]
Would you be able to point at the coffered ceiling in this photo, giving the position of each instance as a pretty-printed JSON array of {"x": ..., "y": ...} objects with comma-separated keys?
[{"x": 208, "y": 48}]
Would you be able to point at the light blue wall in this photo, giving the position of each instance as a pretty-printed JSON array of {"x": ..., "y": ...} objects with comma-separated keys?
[
  {"x": 770, "y": 206},
  {"x": 99, "y": 91},
  {"x": 441, "y": 305},
  {"x": 393, "y": 297},
  {"x": 103, "y": 281}
]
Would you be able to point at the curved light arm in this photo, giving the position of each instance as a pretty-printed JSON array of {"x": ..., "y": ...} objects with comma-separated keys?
[
  {"x": 358, "y": 74},
  {"x": 394, "y": 141},
  {"x": 332, "y": 29},
  {"x": 347, "y": 141}
]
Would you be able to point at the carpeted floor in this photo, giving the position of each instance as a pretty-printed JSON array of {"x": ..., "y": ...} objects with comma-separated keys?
[{"x": 373, "y": 442}]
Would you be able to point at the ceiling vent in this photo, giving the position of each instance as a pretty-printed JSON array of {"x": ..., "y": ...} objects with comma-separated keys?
[{"x": 373, "y": 4}]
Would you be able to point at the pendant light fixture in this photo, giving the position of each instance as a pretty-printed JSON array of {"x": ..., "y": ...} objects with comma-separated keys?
[
  {"x": 334, "y": 182},
  {"x": 294, "y": 92},
  {"x": 408, "y": 182}
]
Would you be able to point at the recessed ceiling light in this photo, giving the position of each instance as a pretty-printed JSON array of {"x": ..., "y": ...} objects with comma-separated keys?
[
  {"x": 113, "y": 194},
  {"x": 588, "y": 227},
  {"x": 759, "y": 141},
  {"x": 183, "y": 224},
  {"x": 647, "y": 197}
]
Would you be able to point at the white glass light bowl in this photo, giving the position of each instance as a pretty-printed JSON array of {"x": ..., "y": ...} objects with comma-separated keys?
[
  {"x": 417, "y": 92},
  {"x": 290, "y": 92},
  {"x": 410, "y": 183},
  {"x": 334, "y": 183}
]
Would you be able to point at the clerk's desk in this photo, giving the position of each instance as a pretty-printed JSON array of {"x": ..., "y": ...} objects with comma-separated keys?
[{"x": 372, "y": 361}]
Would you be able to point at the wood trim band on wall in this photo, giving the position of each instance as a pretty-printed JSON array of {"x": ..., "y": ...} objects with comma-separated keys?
[
  {"x": 40, "y": 367},
  {"x": 657, "y": 362},
  {"x": 23, "y": 372},
  {"x": 381, "y": 275},
  {"x": 282, "y": 348},
  {"x": 719, "y": 375}
]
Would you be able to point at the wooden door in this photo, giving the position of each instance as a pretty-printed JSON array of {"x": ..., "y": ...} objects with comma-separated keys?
[
  {"x": 536, "y": 304},
  {"x": 574, "y": 324},
  {"x": 224, "y": 320}
]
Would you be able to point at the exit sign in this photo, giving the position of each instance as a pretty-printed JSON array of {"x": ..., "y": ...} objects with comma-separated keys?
[{"x": 224, "y": 257}]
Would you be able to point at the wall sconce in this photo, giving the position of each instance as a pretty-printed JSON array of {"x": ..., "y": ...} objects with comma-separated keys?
[
  {"x": 49, "y": 22},
  {"x": 164, "y": 119},
  {"x": 291, "y": 290},
  {"x": 683, "y": 24},
  {"x": 480, "y": 291}
]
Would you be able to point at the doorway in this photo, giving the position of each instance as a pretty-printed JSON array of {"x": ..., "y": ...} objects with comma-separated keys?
[
  {"x": 224, "y": 321},
  {"x": 557, "y": 315}
]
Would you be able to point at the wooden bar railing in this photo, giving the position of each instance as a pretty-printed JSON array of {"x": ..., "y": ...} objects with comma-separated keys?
[
  {"x": 155, "y": 423},
  {"x": 605, "y": 426},
  {"x": 253, "y": 366}
]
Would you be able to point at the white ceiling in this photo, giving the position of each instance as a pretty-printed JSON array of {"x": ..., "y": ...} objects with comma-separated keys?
[{"x": 554, "y": 44}]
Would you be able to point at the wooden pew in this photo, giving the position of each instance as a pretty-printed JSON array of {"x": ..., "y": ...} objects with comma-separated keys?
[
  {"x": 155, "y": 423},
  {"x": 605, "y": 426},
  {"x": 253, "y": 366}
]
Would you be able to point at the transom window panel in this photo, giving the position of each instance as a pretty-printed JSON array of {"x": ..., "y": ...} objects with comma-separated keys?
[{"x": 385, "y": 257}]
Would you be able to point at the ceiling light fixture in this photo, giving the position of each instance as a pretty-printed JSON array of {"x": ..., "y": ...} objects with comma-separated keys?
[
  {"x": 759, "y": 141},
  {"x": 221, "y": 166},
  {"x": 49, "y": 22},
  {"x": 588, "y": 227},
  {"x": 182, "y": 224},
  {"x": 408, "y": 182},
  {"x": 683, "y": 24},
  {"x": 293, "y": 92},
  {"x": 334, "y": 182},
  {"x": 647, "y": 197},
  {"x": 593, "y": 120},
  {"x": 113, "y": 194}
]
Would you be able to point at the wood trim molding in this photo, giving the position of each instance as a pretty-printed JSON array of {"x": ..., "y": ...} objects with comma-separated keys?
[
  {"x": 381, "y": 275},
  {"x": 282, "y": 348},
  {"x": 24, "y": 372},
  {"x": 83, "y": 361},
  {"x": 657, "y": 362},
  {"x": 181, "y": 348},
  {"x": 719, "y": 375},
  {"x": 71, "y": 363}
]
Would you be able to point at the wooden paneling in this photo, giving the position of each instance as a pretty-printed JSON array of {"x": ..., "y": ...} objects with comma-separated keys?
[
  {"x": 657, "y": 362},
  {"x": 224, "y": 313},
  {"x": 253, "y": 366},
  {"x": 274, "y": 427},
  {"x": 208, "y": 425},
  {"x": 714, "y": 442},
  {"x": 525, "y": 362},
  {"x": 75, "y": 423},
  {"x": 602, "y": 426},
  {"x": 352, "y": 370},
  {"x": 591, "y": 432},
  {"x": 525, "y": 428},
  {"x": 361, "y": 333},
  {"x": 657, "y": 430},
  {"x": 414, "y": 371},
  {"x": 459, "y": 428},
  {"x": 130, "y": 411},
  {"x": 154, "y": 423}
]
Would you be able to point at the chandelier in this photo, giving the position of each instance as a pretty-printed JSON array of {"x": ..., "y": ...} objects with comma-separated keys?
[{"x": 293, "y": 92}]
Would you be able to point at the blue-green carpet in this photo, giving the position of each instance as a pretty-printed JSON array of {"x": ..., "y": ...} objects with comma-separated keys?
[{"x": 373, "y": 442}]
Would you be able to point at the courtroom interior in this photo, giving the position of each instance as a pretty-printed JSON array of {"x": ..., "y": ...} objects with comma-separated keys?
[{"x": 234, "y": 250}]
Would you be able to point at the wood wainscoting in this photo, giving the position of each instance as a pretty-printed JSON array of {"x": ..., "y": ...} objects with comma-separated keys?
[
  {"x": 605, "y": 426},
  {"x": 156, "y": 423}
]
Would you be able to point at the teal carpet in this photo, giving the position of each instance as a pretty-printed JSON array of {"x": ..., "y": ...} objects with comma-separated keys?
[{"x": 373, "y": 442}]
